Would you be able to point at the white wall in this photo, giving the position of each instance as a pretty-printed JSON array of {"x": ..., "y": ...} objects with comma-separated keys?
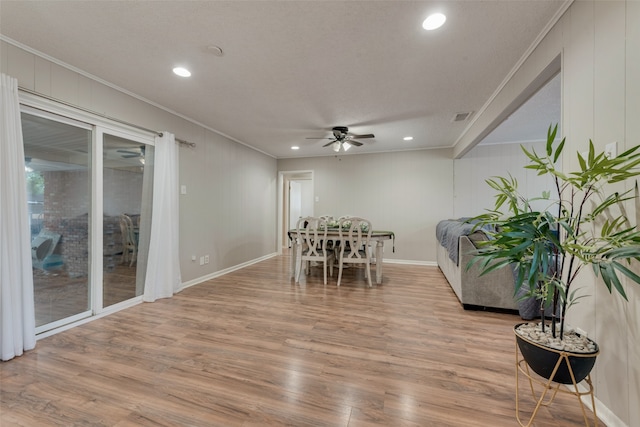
[
  {"x": 599, "y": 43},
  {"x": 410, "y": 192},
  {"x": 473, "y": 196},
  {"x": 405, "y": 192},
  {"x": 229, "y": 211}
]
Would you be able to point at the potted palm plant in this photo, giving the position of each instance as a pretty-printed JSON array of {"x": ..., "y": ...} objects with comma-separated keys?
[{"x": 583, "y": 225}]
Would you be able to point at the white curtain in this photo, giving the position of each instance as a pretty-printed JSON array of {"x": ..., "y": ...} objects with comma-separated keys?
[
  {"x": 163, "y": 269},
  {"x": 144, "y": 226},
  {"x": 17, "y": 317}
]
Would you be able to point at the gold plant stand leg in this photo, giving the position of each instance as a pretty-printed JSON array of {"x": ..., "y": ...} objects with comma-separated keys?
[{"x": 522, "y": 368}]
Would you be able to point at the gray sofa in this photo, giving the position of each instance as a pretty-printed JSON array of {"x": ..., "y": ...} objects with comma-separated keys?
[{"x": 494, "y": 290}]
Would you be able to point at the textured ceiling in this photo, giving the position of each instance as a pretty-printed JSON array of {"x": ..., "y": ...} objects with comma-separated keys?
[{"x": 294, "y": 69}]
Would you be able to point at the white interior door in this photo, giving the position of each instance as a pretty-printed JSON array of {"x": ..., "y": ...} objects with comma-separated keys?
[
  {"x": 306, "y": 197},
  {"x": 300, "y": 200},
  {"x": 295, "y": 203},
  {"x": 304, "y": 205}
]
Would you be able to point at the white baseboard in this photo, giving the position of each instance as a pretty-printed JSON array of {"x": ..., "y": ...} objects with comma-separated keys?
[
  {"x": 604, "y": 414},
  {"x": 257, "y": 260},
  {"x": 410, "y": 262},
  {"x": 223, "y": 272}
]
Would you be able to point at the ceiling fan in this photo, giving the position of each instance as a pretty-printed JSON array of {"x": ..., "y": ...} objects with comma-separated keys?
[
  {"x": 130, "y": 153},
  {"x": 342, "y": 139}
]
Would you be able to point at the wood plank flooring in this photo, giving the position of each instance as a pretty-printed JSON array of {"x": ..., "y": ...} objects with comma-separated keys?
[{"x": 253, "y": 348}]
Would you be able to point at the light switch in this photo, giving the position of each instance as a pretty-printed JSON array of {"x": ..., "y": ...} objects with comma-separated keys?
[
  {"x": 183, "y": 189},
  {"x": 611, "y": 150}
]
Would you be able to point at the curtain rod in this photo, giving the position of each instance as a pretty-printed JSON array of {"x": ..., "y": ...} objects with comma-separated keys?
[
  {"x": 104, "y": 116},
  {"x": 181, "y": 141}
]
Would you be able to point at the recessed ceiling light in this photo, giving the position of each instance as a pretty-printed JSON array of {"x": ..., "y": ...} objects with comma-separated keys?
[
  {"x": 408, "y": 138},
  {"x": 182, "y": 72},
  {"x": 295, "y": 147},
  {"x": 434, "y": 21}
]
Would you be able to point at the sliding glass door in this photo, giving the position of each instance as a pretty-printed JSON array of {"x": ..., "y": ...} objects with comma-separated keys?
[
  {"x": 58, "y": 162},
  {"x": 89, "y": 193},
  {"x": 126, "y": 220}
]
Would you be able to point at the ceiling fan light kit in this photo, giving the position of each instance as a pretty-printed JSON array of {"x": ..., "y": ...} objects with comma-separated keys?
[
  {"x": 342, "y": 139},
  {"x": 337, "y": 145}
]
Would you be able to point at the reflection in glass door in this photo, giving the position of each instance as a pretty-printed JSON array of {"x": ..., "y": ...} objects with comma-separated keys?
[
  {"x": 57, "y": 168},
  {"x": 127, "y": 167}
]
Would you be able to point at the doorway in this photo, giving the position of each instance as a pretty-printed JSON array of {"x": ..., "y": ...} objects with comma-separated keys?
[{"x": 295, "y": 200}]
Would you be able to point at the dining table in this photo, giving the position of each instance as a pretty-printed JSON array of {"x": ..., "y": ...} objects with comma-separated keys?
[{"x": 333, "y": 234}]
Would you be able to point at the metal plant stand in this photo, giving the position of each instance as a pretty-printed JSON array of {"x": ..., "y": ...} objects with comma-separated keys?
[{"x": 522, "y": 368}]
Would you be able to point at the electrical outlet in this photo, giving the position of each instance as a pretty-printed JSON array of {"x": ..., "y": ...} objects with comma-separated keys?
[
  {"x": 206, "y": 259},
  {"x": 193, "y": 258},
  {"x": 201, "y": 260}
]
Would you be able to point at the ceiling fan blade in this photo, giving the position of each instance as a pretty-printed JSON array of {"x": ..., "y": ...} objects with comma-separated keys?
[
  {"x": 368, "y": 135},
  {"x": 354, "y": 142},
  {"x": 329, "y": 143},
  {"x": 128, "y": 154},
  {"x": 316, "y": 138}
]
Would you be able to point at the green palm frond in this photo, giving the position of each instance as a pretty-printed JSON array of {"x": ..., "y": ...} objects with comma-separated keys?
[{"x": 548, "y": 248}]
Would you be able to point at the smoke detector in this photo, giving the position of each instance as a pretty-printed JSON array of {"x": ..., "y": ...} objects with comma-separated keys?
[{"x": 215, "y": 50}]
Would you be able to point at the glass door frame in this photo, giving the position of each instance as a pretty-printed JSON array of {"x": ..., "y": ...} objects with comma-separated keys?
[
  {"x": 99, "y": 125},
  {"x": 85, "y": 126},
  {"x": 98, "y": 204}
]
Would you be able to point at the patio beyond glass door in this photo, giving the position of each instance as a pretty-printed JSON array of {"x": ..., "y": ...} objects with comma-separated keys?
[
  {"x": 57, "y": 168},
  {"x": 126, "y": 220}
]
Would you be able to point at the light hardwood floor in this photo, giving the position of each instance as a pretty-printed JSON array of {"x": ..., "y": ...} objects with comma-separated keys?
[{"x": 253, "y": 348}]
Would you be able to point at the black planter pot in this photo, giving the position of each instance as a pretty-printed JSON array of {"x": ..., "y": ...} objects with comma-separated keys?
[{"x": 543, "y": 360}]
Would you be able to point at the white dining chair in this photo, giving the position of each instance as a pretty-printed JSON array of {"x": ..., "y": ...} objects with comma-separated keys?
[
  {"x": 311, "y": 234},
  {"x": 129, "y": 244},
  {"x": 355, "y": 237}
]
